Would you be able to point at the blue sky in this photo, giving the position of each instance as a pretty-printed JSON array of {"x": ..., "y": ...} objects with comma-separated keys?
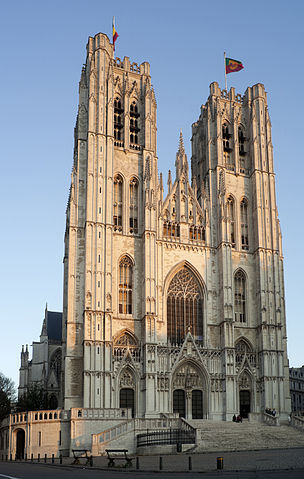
[{"x": 42, "y": 52}]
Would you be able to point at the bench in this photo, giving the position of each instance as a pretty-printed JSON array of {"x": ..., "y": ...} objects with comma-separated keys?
[
  {"x": 113, "y": 455},
  {"x": 79, "y": 454}
]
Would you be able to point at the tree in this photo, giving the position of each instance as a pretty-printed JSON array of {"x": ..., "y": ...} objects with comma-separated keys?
[
  {"x": 34, "y": 400},
  {"x": 7, "y": 395}
]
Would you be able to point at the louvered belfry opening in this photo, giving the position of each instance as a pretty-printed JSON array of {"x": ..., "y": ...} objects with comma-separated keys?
[{"x": 184, "y": 308}]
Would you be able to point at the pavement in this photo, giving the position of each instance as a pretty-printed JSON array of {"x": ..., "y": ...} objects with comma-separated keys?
[{"x": 246, "y": 461}]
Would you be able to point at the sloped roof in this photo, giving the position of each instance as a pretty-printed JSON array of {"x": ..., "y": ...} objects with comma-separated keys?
[{"x": 54, "y": 325}]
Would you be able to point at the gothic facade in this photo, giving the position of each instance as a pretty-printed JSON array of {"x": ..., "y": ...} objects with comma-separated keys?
[
  {"x": 173, "y": 303},
  {"x": 176, "y": 303}
]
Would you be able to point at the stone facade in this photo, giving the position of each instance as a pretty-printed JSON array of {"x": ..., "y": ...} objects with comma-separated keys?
[
  {"x": 191, "y": 283},
  {"x": 172, "y": 304}
]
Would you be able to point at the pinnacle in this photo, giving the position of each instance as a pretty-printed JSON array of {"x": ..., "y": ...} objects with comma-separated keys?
[{"x": 181, "y": 148}]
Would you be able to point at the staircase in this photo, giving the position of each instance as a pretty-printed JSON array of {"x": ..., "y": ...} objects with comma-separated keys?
[{"x": 231, "y": 436}]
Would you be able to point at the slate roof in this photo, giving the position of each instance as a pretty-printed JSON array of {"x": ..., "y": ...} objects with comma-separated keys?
[{"x": 54, "y": 324}]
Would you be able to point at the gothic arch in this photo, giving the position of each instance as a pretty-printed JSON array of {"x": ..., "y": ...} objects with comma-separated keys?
[
  {"x": 127, "y": 380},
  {"x": 246, "y": 389},
  {"x": 194, "y": 364},
  {"x": 203, "y": 297},
  {"x": 241, "y": 272},
  {"x": 55, "y": 364},
  {"x": 177, "y": 268},
  {"x": 125, "y": 284},
  {"x": 125, "y": 332},
  {"x": 189, "y": 378},
  {"x": 126, "y": 255}
]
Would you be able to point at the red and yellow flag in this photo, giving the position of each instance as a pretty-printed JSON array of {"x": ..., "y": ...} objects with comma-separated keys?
[
  {"x": 115, "y": 34},
  {"x": 233, "y": 65}
]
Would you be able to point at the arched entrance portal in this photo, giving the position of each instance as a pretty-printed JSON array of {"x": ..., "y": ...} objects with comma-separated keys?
[
  {"x": 20, "y": 443},
  {"x": 244, "y": 403},
  {"x": 189, "y": 392},
  {"x": 126, "y": 399}
]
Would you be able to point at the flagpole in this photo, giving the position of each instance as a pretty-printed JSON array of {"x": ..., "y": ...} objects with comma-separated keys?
[
  {"x": 225, "y": 71},
  {"x": 113, "y": 26}
]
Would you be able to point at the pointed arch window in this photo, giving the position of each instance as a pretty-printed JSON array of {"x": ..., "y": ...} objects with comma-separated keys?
[
  {"x": 118, "y": 122},
  {"x": 242, "y": 151},
  {"x": 55, "y": 364},
  {"x": 117, "y": 207},
  {"x": 244, "y": 349},
  {"x": 184, "y": 307},
  {"x": 125, "y": 285},
  {"x": 126, "y": 343},
  {"x": 226, "y": 136},
  {"x": 240, "y": 297},
  {"x": 134, "y": 126},
  {"x": 231, "y": 220},
  {"x": 133, "y": 202},
  {"x": 244, "y": 225}
]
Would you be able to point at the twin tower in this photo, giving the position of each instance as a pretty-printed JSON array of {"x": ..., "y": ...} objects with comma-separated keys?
[{"x": 172, "y": 303}]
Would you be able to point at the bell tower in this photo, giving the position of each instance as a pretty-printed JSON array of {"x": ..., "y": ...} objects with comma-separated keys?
[
  {"x": 233, "y": 160},
  {"x": 114, "y": 159}
]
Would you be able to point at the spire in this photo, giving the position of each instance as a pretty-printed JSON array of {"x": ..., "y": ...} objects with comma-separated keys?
[{"x": 181, "y": 163}]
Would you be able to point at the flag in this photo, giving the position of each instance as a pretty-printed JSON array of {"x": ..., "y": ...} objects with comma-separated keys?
[
  {"x": 233, "y": 65},
  {"x": 115, "y": 34}
]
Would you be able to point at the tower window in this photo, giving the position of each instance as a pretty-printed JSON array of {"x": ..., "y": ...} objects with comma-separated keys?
[
  {"x": 231, "y": 221},
  {"x": 244, "y": 225},
  {"x": 134, "y": 126},
  {"x": 117, "y": 207},
  {"x": 228, "y": 160},
  {"x": 242, "y": 153},
  {"x": 241, "y": 139},
  {"x": 133, "y": 218},
  {"x": 125, "y": 285},
  {"x": 118, "y": 122},
  {"x": 240, "y": 297}
]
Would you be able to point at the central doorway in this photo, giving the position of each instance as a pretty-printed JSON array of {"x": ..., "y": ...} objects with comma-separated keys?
[
  {"x": 179, "y": 403},
  {"x": 244, "y": 403},
  {"x": 20, "y": 443},
  {"x": 126, "y": 399}
]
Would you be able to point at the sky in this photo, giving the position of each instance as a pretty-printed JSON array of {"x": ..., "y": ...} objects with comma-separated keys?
[{"x": 43, "y": 47}]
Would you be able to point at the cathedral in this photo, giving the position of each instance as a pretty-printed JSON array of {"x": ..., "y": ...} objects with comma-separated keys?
[{"x": 173, "y": 303}]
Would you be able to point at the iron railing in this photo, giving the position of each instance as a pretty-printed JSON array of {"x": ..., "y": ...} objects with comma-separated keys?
[{"x": 168, "y": 436}]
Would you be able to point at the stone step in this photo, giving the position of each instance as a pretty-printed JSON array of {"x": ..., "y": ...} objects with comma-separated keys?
[{"x": 230, "y": 436}]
